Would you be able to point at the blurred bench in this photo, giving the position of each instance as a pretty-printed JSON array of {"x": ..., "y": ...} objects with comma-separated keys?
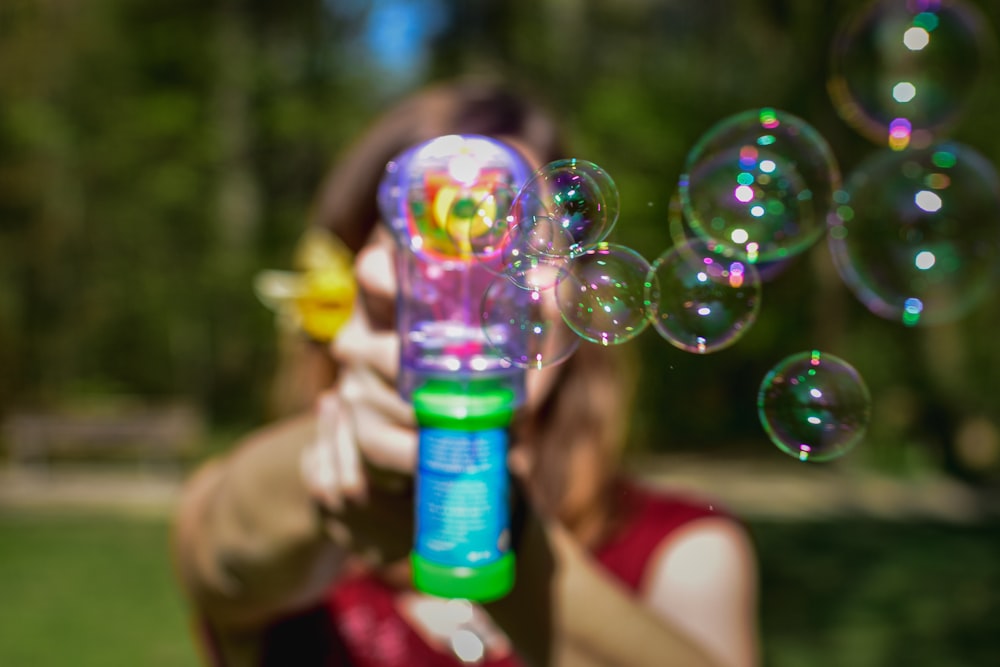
[{"x": 159, "y": 434}]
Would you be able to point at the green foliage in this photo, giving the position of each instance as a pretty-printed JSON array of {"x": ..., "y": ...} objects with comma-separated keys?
[{"x": 154, "y": 156}]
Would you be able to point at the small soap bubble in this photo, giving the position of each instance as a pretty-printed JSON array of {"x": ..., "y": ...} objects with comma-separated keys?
[
  {"x": 602, "y": 296},
  {"x": 902, "y": 72},
  {"x": 700, "y": 300},
  {"x": 916, "y": 233},
  {"x": 521, "y": 319},
  {"x": 575, "y": 196},
  {"x": 759, "y": 183},
  {"x": 814, "y": 406}
]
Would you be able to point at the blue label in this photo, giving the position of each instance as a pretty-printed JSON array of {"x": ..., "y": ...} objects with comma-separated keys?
[{"x": 462, "y": 488}]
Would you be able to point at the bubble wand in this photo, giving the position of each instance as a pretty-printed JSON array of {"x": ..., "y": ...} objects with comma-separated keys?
[{"x": 446, "y": 201}]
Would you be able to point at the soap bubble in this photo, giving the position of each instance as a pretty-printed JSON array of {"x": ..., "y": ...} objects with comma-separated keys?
[
  {"x": 702, "y": 301},
  {"x": 917, "y": 234},
  {"x": 760, "y": 183},
  {"x": 432, "y": 194},
  {"x": 521, "y": 320},
  {"x": 902, "y": 71},
  {"x": 575, "y": 197},
  {"x": 814, "y": 406},
  {"x": 602, "y": 296}
]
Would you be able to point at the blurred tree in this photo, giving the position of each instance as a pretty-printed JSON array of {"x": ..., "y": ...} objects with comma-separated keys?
[{"x": 154, "y": 155}]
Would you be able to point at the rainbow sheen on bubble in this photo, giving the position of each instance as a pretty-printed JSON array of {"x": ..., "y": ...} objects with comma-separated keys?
[
  {"x": 916, "y": 235},
  {"x": 532, "y": 334},
  {"x": 603, "y": 294},
  {"x": 814, "y": 406},
  {"x": 903, "y": 71},
  {"x": 701, "y": 300},
  {"x": 576, "y": 199},
  {"x": 760, "y": 183}
]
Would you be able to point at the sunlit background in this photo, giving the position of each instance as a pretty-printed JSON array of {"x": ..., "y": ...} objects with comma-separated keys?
[{"x": 155, "y": 156}]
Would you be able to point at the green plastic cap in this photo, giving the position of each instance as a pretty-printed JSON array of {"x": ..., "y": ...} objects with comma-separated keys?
[
  {"x": 483, "y": 583},
  {"x": 464, "y": 404}
]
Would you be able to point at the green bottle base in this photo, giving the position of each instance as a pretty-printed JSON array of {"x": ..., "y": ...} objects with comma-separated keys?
[{"x": 478, "y": 584}]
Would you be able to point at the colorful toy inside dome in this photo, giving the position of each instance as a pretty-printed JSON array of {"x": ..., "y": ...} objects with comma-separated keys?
[{"x": 447, "y": 199}]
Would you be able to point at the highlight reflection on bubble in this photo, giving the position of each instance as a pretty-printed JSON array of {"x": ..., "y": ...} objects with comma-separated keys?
[{"x": 814, "y": 406}]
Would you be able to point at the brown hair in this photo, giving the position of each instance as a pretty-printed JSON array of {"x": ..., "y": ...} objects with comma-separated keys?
[
  {"x": 581, "y": 424},
  {"x": 347, "y": 200}
]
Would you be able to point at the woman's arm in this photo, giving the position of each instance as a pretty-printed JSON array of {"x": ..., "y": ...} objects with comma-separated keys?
[
  {"x": 565, "y": 610},
  {"x": 265, "y": 529},
  {"x": 249, "y": 542}
]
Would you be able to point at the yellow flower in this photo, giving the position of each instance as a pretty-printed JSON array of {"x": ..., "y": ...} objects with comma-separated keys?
[{"x": 316, "y": 298}]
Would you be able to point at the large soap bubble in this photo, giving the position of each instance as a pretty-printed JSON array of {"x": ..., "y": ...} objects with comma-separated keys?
[
  {"x": 917, "y": 234},
  {"x": 760, "y": 183},
  {"x": 902, "y": 71},
  {"x": 814, "y": 406}
]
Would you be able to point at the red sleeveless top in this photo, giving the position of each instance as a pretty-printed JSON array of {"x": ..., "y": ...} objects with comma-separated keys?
[{"x": 359, "y": 625}]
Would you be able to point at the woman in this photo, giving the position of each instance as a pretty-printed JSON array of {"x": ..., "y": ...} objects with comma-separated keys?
[{"x": 292, "y": 547}]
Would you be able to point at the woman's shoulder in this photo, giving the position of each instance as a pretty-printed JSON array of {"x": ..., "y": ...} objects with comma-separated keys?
[{"x": 645, "y": 518}]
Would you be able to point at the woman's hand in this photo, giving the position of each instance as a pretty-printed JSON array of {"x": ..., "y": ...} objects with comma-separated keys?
[{"x": 360, "y": 465}]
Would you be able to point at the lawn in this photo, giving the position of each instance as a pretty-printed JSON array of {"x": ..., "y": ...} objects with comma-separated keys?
[{"x": 88, "y": 590}]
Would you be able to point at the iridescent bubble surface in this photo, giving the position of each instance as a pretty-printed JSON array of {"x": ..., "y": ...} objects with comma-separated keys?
[
  {"x": 576, "y": 197},
  {"x": 702, "y": 301},
  {"x": 760, "y": 183},
  {"x": 916, "y": 235},
  {"x": 602, "y": 297},
  {"x": 814, "y": 406},
  {"x": 902, "y": 71},
  {"x": 531, "y": 334}
]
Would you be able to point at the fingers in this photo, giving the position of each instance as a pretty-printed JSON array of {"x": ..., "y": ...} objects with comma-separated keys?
[
  {"x": 331, "y": 466},
  {"x": 346, "y": 458},
  {"x": 357, "y": 345}
]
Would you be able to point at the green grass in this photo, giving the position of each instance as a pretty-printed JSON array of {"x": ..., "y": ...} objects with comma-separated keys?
[{"x": 87, "y": 590}]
